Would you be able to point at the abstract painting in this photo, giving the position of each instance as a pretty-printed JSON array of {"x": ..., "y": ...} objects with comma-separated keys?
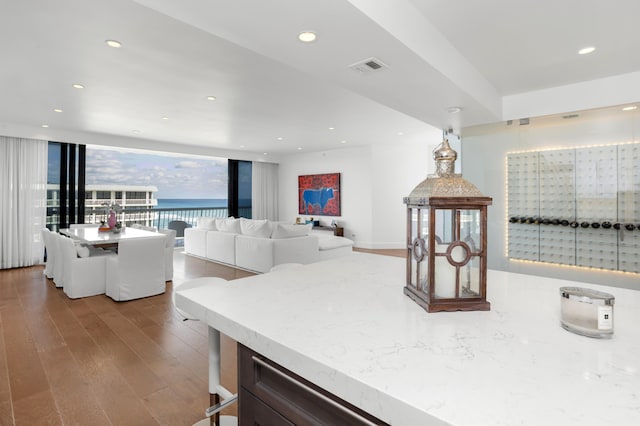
[{"x": 319, "y": 195}]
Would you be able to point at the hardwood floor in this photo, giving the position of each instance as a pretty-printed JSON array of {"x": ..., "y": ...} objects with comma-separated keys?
[
  {"x": 93, "y": 361},
  {"x": 385, "y": 252}
]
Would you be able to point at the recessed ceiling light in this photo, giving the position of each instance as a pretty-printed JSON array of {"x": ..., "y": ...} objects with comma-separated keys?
[
  {"x": 241, "y": 146},
  {"x": 113, "y": 43},
  {"x": 299, "y": 148},
  {"x": 400, "y": 133},
  {"x": 343, "y": 141},
  {"x": 45, "y": 125},
  {"x": 57, "y": 110},
  {"x": 332, "y": 128},
  {"x": 307, "y": 36},
  {"x": 136, "y": 131},
  {"x": 78, "y": 86},
  {"x": 586, "y": 50},
  {"x": 265, "y": 153},
  {"x": 454, "y": 110},
  {"x": 211, "y": 98},
  {"x": 165, "y": 118},
  {"x": 630, "y": 108},
  {"x": 279, "y": 138}
]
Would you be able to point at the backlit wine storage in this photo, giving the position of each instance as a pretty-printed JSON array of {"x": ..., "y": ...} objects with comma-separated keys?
[{"x": 576, "y": 206}]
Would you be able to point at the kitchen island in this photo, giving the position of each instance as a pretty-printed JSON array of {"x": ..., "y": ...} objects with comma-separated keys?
[{"x": 346, "y": 326}]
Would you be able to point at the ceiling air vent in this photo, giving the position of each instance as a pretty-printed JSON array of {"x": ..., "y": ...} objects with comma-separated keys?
[{"x": 368, "y": 66}]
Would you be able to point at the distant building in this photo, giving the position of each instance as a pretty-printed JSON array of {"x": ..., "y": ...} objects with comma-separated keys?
[{"x": 138, "y": 200}]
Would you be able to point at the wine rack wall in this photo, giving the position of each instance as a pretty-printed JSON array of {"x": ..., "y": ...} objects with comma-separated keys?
[{"x": 576, "y": 206}]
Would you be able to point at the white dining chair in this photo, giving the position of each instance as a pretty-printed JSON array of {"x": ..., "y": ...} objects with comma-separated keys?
[
  {"x": 138, "y": 269},
  {"x": 169, "y": 248},
  {"x": 49, "y": 264},
  {"x": 83, "y": 276}
]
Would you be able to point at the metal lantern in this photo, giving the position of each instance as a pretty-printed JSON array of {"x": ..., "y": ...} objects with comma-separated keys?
[{"x": 447, "y": 240}]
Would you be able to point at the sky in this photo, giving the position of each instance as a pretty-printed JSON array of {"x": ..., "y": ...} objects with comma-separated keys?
[{"x": 175, "y": 175}]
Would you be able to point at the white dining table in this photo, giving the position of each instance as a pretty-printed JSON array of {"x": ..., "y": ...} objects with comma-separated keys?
[{"x": 96, "y": 237}]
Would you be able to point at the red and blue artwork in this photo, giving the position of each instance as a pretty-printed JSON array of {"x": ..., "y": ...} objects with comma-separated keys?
[{"x": 319, "y": 195}]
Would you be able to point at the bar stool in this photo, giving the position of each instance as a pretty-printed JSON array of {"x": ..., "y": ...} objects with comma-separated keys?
[{"x": 216, "y": 390}]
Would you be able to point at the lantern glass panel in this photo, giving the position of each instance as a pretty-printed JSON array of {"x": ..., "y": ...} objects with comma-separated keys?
[
  {"x": 424, "y": 264},
  {"x": 414, "y": 223},
  {"x": 419, "y": 246},
  {"x": 412, "y": 255},
  {"x": 470, "y": 229},
  {"x": 470, "y": 278},
  {"x": 444, "y": 226}
]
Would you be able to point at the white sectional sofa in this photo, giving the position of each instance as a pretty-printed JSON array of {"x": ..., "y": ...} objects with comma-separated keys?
[{"x": 258, "y": 245}]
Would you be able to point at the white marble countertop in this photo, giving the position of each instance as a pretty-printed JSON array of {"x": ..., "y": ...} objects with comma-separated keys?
[{"x": 346, "y": 325}]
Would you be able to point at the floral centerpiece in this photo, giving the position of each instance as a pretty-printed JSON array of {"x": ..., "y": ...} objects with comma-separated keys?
[{"x": 110, "y": 222}]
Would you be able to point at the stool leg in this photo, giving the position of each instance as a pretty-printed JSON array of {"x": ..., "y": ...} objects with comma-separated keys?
[
  {"x": 214, "y": 371},
  {"x": 214, "y": 399}
]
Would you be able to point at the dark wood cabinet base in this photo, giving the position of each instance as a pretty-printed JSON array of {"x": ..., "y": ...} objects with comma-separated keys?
[{"x": 272, "y": 395}]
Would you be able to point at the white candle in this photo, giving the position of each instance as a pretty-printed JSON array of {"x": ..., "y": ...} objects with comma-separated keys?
[{"x": 445, "y": 275}]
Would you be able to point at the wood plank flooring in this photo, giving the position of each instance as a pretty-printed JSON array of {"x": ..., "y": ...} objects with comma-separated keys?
[{"x": 93, "y": 361}]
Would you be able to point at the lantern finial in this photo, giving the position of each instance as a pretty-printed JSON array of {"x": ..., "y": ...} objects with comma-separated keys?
[{"x": 445, "y": 158}]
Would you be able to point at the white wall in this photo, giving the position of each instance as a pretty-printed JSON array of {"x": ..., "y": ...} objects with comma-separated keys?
[
  {"x": 354, "y": 166},
  {"x": 484, "y": 153},
  {"x": 374, "y": 181},
  {"x": 398, "y": 169}
]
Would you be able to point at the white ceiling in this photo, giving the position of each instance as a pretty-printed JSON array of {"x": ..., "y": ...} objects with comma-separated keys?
[{"x": 496, "y": 59}]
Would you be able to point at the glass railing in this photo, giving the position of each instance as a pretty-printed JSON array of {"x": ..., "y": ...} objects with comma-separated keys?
[{"x": 160, "y": 218}]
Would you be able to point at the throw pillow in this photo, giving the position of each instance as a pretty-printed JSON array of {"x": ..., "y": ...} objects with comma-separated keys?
[
  {"x": 255, "y": 228},
  {"x": 206, "y": 223},
  {"x": 229, "y": 224},
  {"x": 282, "y": 230}
]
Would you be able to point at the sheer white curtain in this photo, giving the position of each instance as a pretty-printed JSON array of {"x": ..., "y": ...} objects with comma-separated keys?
[
  {"x": 264, "y": 190},
  {"x": 23, "y": 201}
]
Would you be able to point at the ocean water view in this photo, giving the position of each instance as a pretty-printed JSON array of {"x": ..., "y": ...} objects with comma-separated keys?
[{"x": 180, "y": 203}]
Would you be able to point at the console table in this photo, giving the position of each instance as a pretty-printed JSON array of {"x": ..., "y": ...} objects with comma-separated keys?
[
  {"x": 338, "y": 231},
  {"x": 345, "y": 326}
]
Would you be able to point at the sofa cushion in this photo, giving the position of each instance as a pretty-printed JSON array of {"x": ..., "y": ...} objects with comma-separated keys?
[
  {"x": 282, "y": 230},
  {"x": 254, "y": 254},
  {"x": 229, "y": 224},
  {"x": 203, "y": 222},
  {"x": 255, "y": 228},
  {"x": 221, "y": 246},
  {"x": 195, "y": 241},
  {"x": 334, "y": 243}
]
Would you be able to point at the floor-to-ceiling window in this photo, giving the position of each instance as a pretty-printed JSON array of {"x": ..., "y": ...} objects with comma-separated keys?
[
  {"x": 65, "y": 185},
  {"x": 148, "y": 187},
  {"x": 240, "y": 188}
]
